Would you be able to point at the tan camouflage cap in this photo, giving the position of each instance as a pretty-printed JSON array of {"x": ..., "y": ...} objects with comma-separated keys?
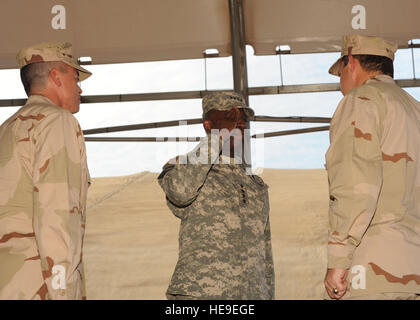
[
  {"x": 224, "y": 101},
  {"x": 364, "y": 45},
  {"x": 51, "y": 51}
]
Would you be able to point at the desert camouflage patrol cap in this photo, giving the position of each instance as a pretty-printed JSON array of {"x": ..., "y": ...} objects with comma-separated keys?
[
  {"x": 51, "y": 51},
  {"x": 358, "y": 44},
  {"x": 224, "y": 101}
]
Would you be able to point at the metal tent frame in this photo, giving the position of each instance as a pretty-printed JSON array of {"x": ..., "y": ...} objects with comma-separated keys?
[{"x": 239, "y": 63}]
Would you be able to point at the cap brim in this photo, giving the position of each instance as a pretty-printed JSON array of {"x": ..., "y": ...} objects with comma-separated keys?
[
  {"x": 335, "y": 68},
  {"x": 83, "y": 73}
]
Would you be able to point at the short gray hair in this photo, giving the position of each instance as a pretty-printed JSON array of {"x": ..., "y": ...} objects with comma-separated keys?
[{"x": 36, "y": 74}]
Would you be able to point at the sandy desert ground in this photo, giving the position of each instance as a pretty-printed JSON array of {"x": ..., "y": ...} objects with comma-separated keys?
[{"x": 131, "y": 243}]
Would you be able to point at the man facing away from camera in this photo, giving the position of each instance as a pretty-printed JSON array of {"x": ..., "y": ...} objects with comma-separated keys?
[
  {"x": 43, "y": 180},
  {"x": 224, "y": 239},
  {"x": 373, "y": 165}
]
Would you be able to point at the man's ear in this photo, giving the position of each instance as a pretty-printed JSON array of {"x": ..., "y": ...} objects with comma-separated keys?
[
  {"x": 207, "y": 124},
  {"x": 54, "y": 76},
  {"x": 353, "y": 62}
]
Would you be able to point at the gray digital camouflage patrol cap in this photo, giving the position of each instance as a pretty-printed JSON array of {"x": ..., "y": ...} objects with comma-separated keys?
[
  {"x": 48, "y": 52},
  {"x": 224, "y": 101}
]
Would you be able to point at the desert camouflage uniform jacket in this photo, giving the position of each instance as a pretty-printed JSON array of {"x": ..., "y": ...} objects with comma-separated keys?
[
  {"x": 373, "y": 168},
  {"x": 224, "y": 238},
  {"x": 43, "y": 186}
]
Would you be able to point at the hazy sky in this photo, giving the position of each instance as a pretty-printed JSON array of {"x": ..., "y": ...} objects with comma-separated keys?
[{"x": 300, "y": 151}]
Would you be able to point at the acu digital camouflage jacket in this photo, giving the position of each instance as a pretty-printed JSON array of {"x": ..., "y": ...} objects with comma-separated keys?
[{"x": 224, "y": 238}]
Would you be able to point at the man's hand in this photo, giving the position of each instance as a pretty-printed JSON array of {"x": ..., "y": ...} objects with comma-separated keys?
[
  {"x": 233, "y": 115},
  {"x": 229, "y": 123},
  {"x": 336, "y": 279}
]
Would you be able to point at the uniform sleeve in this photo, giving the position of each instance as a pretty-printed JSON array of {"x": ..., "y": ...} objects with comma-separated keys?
[
  {"x": 57, "y": 205},
  {"x": 269, "y": 264},
  {"x": 354, "y": 164},
  {"x": 183, "y": 180}
]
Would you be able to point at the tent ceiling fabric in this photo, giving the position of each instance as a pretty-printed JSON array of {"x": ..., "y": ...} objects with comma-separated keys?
[
  {"x": 318, "y": 25},
  {"x": 112, "y": 31}
]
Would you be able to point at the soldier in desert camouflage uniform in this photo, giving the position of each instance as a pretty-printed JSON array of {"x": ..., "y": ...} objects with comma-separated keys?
[
  {"x": 44, "y": 180},
  {"x": 373, "y": 168},
  {"x": 224, "y": 239}
]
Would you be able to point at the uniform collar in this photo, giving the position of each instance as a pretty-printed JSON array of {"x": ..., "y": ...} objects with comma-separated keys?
[
  {"x": 381, "y": 78},
  {"x": 35, "y": 98}
]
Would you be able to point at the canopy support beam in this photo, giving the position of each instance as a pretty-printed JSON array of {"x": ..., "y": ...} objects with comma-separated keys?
[{"x": 287, "y": 89}]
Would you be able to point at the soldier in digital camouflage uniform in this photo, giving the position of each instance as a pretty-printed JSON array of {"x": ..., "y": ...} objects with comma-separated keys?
[
  {"x": 373, "y": 166},
  {"x": 224, "y": 239},
  {"x": 43, "y": 180}
]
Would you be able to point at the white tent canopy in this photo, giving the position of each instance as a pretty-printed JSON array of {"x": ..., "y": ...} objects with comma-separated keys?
[
  {"x": 112, "y": 31},
  {"x": 318, "y": 25}
]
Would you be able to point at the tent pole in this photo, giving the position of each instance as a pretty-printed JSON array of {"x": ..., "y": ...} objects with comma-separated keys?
[
  {"x": 237, "y": 28},
  {"x": 240, "y": 76}
]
